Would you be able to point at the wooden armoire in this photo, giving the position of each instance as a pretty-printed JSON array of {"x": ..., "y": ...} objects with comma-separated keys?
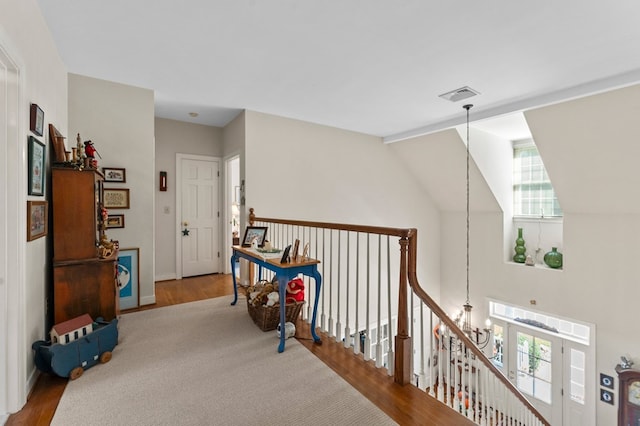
[{"x": 83, "y": 283}]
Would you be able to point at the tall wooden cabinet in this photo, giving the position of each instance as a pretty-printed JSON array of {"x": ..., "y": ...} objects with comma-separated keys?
[{"x": 83, "y": 283}]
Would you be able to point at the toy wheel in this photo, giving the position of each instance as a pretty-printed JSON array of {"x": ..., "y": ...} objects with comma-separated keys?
[
  {"x": 75, "y": 373},
  {"x": 105, "y": 357}
]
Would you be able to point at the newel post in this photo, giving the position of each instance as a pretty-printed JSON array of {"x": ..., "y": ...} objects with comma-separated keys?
[{"x": 402, "y": 365}]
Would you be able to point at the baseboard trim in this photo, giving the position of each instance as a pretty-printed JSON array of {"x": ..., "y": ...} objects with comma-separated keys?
[
  {"x": 166, "y": 277},
  {"x": 148, "y": 300}
]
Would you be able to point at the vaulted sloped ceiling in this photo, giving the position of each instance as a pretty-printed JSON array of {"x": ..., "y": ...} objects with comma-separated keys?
[
  {"x": 438, "y": 162},
  {"x": 591, "y": 147}
]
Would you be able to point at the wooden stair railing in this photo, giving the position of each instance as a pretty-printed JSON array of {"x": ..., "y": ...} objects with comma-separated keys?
[{"x": 468, "y": 382}]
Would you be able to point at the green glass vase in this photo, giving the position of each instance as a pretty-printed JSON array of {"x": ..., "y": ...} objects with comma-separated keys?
[
  {"x": 520, "y": 249},
  {"x": 553, "y": 259}
]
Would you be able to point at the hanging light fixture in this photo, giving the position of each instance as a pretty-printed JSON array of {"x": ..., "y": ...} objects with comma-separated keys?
[{"x": 464, "y": 318}]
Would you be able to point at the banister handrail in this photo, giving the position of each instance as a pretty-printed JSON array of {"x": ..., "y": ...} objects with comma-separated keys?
[
  {"x": 442, "y": 316},
  {"x": 395, "y": 232},
  {"x": 408, "y": 273}
]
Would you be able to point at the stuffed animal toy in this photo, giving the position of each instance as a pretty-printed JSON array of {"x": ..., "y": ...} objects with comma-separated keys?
[
  {"x": 259, "y": 295},
  {"x": 272, "y": 298},
  {"x": 295, "y": 290}
]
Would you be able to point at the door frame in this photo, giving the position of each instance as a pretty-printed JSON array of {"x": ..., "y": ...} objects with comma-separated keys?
[
  {"x": 178, "y": 224},
  {"x": 227, "y": 183},
  {"x": 13, "y": 394}
]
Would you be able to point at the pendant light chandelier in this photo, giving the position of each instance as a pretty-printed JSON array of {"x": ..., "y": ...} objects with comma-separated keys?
[{"x": 464, "y": 317}]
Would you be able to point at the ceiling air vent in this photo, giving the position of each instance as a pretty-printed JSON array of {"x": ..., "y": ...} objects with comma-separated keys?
[{"x": 459, "y": 94}]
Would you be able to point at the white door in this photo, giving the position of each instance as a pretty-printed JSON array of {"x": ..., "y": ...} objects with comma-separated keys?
[
  {"x": 200, "y": 215},
  {"x": 536, "y": 369}
]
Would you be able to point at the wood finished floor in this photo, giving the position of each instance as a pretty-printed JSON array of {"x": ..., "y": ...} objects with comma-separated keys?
[{"x": 405, "y": 404}]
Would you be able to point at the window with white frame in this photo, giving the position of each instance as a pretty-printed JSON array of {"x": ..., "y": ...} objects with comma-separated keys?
[{"x": 533, "y": 194}]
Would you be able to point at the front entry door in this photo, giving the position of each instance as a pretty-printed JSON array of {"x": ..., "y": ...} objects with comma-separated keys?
[
  {"x": 536, "y": 369},
  {"x": 200, "y": 215}
]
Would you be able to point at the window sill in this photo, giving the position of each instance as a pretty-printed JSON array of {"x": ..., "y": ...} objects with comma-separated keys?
[{"x": 536, "y": 266}]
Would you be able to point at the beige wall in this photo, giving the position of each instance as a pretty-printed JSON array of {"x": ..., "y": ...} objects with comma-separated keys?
[
  {"x": 119, "y": 120},
  {"x": 25, "y": 38},
  {"x": 306, "y": 171},
  {"x": 174, "y": 137}
]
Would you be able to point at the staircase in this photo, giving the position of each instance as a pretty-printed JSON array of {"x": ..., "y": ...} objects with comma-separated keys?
[{"x": 373, "y": 308}]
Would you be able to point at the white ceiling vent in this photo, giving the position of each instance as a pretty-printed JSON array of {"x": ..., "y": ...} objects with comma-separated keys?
[{"x": 459, "y": 94}]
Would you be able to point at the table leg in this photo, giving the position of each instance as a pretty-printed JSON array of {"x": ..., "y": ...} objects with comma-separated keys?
[
  {"x": 318, "y": 278},
  {"x": 282, "y": 290},
  {"x": 233, "y": 274}
]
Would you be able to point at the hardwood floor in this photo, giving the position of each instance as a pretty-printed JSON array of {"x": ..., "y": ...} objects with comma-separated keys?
[{"x": 405, "y": 404}]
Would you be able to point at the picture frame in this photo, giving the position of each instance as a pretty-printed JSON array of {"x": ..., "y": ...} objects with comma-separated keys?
[
  {"x": 114, "y": 174},
  {"x": 36, "y": 169},
  {"x": 129, "y": 278},
  {"x": 37, "y": 219},
  {"x": 36, "y": 120},
  {"x": 294, "y": 250},
  {"x": 285, "y": 254},
  {"x": 115, "y": 221},
  {"x": 116, "y": 198},
  {"x": 251, "y": 232}
]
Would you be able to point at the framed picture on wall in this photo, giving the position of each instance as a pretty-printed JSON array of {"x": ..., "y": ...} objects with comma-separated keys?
[
  {"x": 116, "y": 198},
  {"x": 112, "y": 174},
  {"x": 37, "y": 212},
  {"x": 36, "y": 166},
  {"x": 36, "y": 119},
  {"x": 115, "y": 221},
  {"x": 129, "y": 277}
]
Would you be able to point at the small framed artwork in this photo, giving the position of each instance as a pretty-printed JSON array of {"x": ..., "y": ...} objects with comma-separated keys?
[
  {"x": 254, "y": 232},
  {"x": 115, "y": 221},
  {"x": 36, "y": 166},
  {"x": 112, "y": 174},
  {"x": 606, "y": 381},
  {"x": 116, "y": 198},
  {"x": 129, "y": 278},
  {"x": 37, "y": 212},
  {"x": 606, "y": 396},
  {"x": 36, "y": 121}
]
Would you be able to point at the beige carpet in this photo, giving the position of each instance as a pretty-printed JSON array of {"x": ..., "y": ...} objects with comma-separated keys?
[{"x": 206, "y": 363}]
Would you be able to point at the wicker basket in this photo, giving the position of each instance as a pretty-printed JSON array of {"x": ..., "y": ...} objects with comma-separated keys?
[{"x": 267, "y": 318}]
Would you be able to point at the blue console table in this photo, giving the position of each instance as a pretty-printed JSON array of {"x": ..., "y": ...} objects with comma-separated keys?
[{"x": 285, "y": 273}]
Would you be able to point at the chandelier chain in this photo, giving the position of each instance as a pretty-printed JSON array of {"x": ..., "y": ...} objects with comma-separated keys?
[{"x": 468, "y": 107}]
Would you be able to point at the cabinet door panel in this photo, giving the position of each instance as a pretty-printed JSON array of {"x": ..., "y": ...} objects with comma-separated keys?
[{"x": 85, "y": 288}]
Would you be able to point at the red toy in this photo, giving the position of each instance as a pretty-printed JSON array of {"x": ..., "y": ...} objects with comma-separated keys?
[{"x": 295, "y": 290}]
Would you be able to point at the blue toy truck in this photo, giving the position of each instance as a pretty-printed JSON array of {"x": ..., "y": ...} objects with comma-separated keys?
[{"x": 71, "y": 359}]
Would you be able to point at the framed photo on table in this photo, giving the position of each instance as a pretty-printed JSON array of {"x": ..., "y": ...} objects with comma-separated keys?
[
  {"x": 129, "y": 278},
  {"x": 257, "y": 232},
  {"x": 36, "y": 166}
]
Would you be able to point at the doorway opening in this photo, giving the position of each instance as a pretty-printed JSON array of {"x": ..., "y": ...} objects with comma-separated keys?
[
  {"x": 551, "y": 360},
  {"x": 232, "y": 202}
]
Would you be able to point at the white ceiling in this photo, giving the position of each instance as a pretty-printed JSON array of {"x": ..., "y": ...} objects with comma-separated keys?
[{"x": 371, "y": 66}]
